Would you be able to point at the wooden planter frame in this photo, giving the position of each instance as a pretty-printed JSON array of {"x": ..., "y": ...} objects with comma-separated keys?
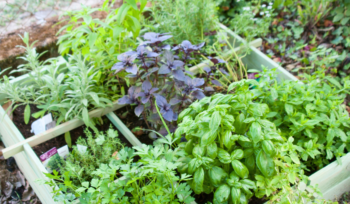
[{"x": 32, "y": 168}]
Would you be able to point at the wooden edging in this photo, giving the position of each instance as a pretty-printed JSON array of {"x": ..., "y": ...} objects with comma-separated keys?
[
  {"x": 123, "y": 129},
  {"x": 257, "y": 59},
  {"x": 334, "y": 179},
  {"x": 56, "y": 131}
]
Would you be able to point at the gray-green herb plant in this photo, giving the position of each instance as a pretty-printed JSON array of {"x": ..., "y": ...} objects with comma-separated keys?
[
  {"x": 232, "y": 149},
  {"x": 67, "y": 89}
]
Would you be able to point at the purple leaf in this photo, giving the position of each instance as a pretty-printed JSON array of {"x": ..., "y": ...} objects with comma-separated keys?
[
  {"x": 118, "y": 66},
  {"x": 179, "y": 74},
  {"x": 198, "y": 94},
  {"x": 168, "y": 115},
  {"x": 146, "y": 86},
  {"x": 174, "y": 101},
  {"x": 139, "y": 110},
  {"x": 199, "y": 46},
  {"x": 178, "y": 63},
  {"x": 197, "y": 82},
  {"x": 161, "y": 101},
  {"x": 207, "y": 69},
  {"x": 216, "y": 82},
  {"x": 164, "y": 70},
  {"x": 165, "y": 47},
  {"x": 124, "y": 100},
  {"x": 209, "y": 89},
  {"x": 133, "y": 69},
  {"x": 224, "y": 72},
  {"x": 152, "y": 54},
  {"x": 153, "y": 90}
]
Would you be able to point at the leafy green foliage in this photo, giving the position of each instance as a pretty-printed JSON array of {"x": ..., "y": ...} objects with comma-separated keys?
[
  {"x": 100, "y": 149},
  {"x": 311, "y": 115},
  {"x": 55, "y": 162},
  {"x": 101, "y": 41},
  {"x": 150, "y": 179},
  {"x": 190, "y": 20},
  {"x": 233, "y": 150},
  {"x": 66, "y": 88}
]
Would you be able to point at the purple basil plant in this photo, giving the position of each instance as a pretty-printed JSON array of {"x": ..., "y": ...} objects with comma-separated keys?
[{"x": 161, "y": 78}]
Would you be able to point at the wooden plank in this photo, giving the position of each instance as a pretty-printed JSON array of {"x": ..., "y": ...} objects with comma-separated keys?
[
  {"x": 54, "y": 132},
  {"x": 256, "y": 59},
  {"x": 331, "y": 179},
  {"x": 22, "y": 159},
  {"x": 123, "y": 129}
]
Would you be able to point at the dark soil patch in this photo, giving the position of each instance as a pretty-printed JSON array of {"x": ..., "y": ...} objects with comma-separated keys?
[
  {"x": 58, "y": 141},
  {"x": 14, "y": 187},
  {"x": 344, "y": 199},
  {"x": 131, "y": 121}
]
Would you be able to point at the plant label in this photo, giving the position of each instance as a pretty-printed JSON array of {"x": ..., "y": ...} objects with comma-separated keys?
[
  {"x": 63, "y": 152},
  {"x": 45, "y": 158},
  {"x": 81, "y": 148},
  {"x": 43, "y": 124}
]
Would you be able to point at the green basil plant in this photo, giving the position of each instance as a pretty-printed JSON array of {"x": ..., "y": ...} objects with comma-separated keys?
[
  {"x": 232, "y": 149},
  {"x": 312, "y": 114}
]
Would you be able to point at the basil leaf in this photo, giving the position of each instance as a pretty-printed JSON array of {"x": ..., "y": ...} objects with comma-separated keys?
[
  {"x": 212, "y": 150},
  {"x": 268, "y": 148},
  {"x": 226, "y": 139},
  {"x": 235, "y": 195},
  {"x": 265, "y": 164},
  {"x": 198, "y": 180},
  {"x": 189, "y": 146},
  {"x": 222, "y": 194},
  {"x": 224, "y": 156},
  {"x": 237, "y": 154},
  {"x": 255, "y": 132},
  {"x": 217, "y": 176},
  {"x": 192, "y": 166},
  {"x": 208, "y": 138},
  {"x": 250, "y": 164},
  {"x": 215, "y": 121},
  {"x": 198, "y": 151},
  {"x": 240, "y": 169}
]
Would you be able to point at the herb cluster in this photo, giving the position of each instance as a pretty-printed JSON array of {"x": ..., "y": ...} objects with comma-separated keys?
[{"x": 160, "y": 76}]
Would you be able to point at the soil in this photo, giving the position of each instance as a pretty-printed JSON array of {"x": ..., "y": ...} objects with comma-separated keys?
[
  {"x": 58, "y": 141},
  {"x": 344, "y": 199},
  {"x": 131, "y": 121},
  {"x": 13, "y": 185}
]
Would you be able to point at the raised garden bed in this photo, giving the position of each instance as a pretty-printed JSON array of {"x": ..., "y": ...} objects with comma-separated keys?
[
  {"x": 21, "y": 148},
  {"x": 333, "y": 179}
]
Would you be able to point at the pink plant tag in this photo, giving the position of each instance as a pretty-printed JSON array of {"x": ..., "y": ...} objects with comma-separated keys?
[{"x": 48, "y": 154}]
